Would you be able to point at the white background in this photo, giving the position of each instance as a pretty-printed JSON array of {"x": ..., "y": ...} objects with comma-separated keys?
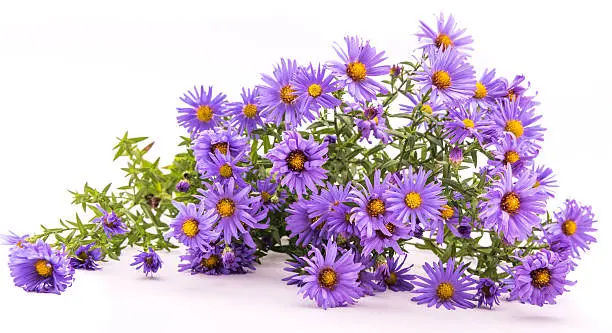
[{"x": 73, "y": 76}]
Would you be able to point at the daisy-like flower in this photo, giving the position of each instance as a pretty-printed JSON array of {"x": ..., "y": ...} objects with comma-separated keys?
[
  {"x": 270, "y": 197},
  {"x": 412, "y": 198},
  {"x": 330, "y": 209},
  {"x": 296, "y": 266},
  {"x": 314, "y": 89},
  {"x": 374, "y": 122},
  {"x": 238, "y": 259},
  {"x": 358, "y": 64},
  {"x": 308, "y": 229},
  {"x": 513, "y": 89},
  {"x": 231, "y": 210},
  {"x": 545, "y": 180},
  {"x": 463, "y": 123},
  {"x": 487, "y": 90},
  {"x": 448, "y": 75},
  {"x": 219, "y": 140},
  {"x": 278, "y": 97},
  {"x": 384, "y": 238},
  {"x": 368, "y": 280},
  {"x": 431, "y": 108},
  {"x": 512, "y": 208},
  {"x": 396, "y": 277},
  {"x": 508, "y": 151},
  {"x": 519, "y": 121},
  {"x": 574, "y": 222},
  {"x": 446, "y": 36},
  {"x": 38, "y": 268},
  {"x": 149, "y": 261},
  {"x": 299, "y": 162},
  {"x": 539, "y": 279},
  {"x": 445, "y": 285},
  {"x": 207, "y": 262},
  {"x": 246, "y": 115},
  {"x": 204, "y": 110},
  {"x": 193, "y": 227},
  {"x": 372, "y": 211},
  {"x": 488, "y": 292},
  {"x": 330, "y": 279},
  {"x": 13, "y": 239},
  {"x": 110, "y": 222},
  {"x": 86, "y": 257},
  {"x": 223, "y": 167}
]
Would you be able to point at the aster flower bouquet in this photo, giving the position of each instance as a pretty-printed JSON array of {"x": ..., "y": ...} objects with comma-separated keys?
[{"x": 346, "y": 167}]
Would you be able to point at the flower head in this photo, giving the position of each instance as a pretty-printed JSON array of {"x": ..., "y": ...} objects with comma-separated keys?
[
  {"x": 246, "y": 115},
  {"x": 204, "y": 110},
  {"x": 487, "y": 90},
  {"x": 330, "y": 209},
  {"x": 374, "y": 122},
  {"x": 219, "y": 140},
  {"x": 86, "y": 257},
  {"x": 13, "y": 239},
  {"x": 463, "y": 123},
  {"x": 278, "y": 96},
  {"x": 446, "y": 36},
  {"x": 372, "y": 211},
  {"x": 445, "y": 285},
  {"x": 207, "y": 262},
  {"x": 223, "y": 167},
  {"x": 149, "y": 261},
  {"x": 238, "y": 259},
  {"x": 308, "y": 229},
  {"x": 574, "y": 222},
  {"x": 193, "y": 227},
  {"x": 508, "y": 151},
  {"x": 518, "y": 120},
  {"x": 488, "y": 292},
  {"x": 183, "y": 186},
  {"x": 110, "y": 222},
  {"x": 545, "y": 180},
  {"x": 269, "y": 195},
  {"x": 396, "y": 277},
  {"x": 314, "y": 88},
  {"x": 455, "y": 156}
]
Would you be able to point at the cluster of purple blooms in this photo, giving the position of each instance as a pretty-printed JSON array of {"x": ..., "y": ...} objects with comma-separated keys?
[{"x": 353, "y": 235}]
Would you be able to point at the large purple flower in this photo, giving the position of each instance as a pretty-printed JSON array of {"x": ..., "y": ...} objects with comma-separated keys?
[
  {"x": 314, "y": 89},
  {"x": 219, "y": 140},
  {"x": 86, "y": 257},
  {"x": 512, "y": 208},
  {"x": 445, "y": 285},
  {"x": 246, "y": 115},
  {"x": 149, "y": 261},
  {"x": 447, "y": 35},
  {"x": 110, "y": 222},
  {"x": 299, "y": 162},
  {"x": 330, "y": 279},
  {"x": 508, "y": 151},
  {"x": 463, "y": 123},
  {"x": 278, "y": 97},
  {"x": 203, "y": 112},
  {"x": 223, "y": 167},
  {"x": 300, "y": 223},
  {"x": 37, "y": 267},
  {"x": 358, "y": 64},
  {"x": 193, "y": 227},
  {"x": 372, "y": 211},
  {"x": 574, "y": 222},
  {"x": 539, "y": 279},
  {"x": 521, "y": 122},
  {"x": 488, "y": 89}
]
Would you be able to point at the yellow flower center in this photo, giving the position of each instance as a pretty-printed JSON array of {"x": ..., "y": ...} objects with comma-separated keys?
[
  {"x": 468, "y": 123},
  {"x": 511, "y": 95},
  {"x": 204, "y": 113},
  {"x": 510, "y": 203},
  {"x": 190, "y": 227},
  {"x": 512, "y": 157},
  {"x": 537, "y": 184},
  {"x": 426, "y": 108},
  {"x": 43, "y": 268},
  {"x": 443, "y": 41},
  {"x": 328, "y": 278},
  {"x": 356, "y": 71},
  {"x": 265, "y": 196},
  {"x": 220, "y": 147},
  {"x": 481, "y": 91},
  {"x": 250, "y": 110},
  {"x": 375, "y": 207},
  {"x": 447, "y": 212},
  {"x": 390, "y": 227},
  {"x": 445, "y": 291},
  {"x": 210, "y": 262},
  {"x": 392, "y": 279},
  {"x": 226, "y": 171},
  {"x": 569, "y": 227},
  {"x": 226, "y": 207},
  {"x": 540, "y": 277},
  {"x": 413, "y": 200},
  {"x": 515, "y": 127},
  {"x": 314, "y": 90},
  {"x": 296, "y": 160},
  {"x": 441, "y": 79},
  {"x": 287, "y": 94}
]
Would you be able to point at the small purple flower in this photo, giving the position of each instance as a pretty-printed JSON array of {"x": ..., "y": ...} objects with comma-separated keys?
[
  {"x": 385, "y": 237},
  {"x": 396, "y": 278},
  {"x": 446, "y": 36},
  {"x": 488, "y": 292},
  {"x": 246, "y": 115},
  {"x": 238, "y": 259},
  {"x": 508, "y": 151},
  {"x": 488, "y": 89},
  {"x": 374, "y": 122},
  {"x": 183, "y": 186},
  {"x": 110, "y": 222},
  {"x": 193, "y": 227},
  {"x": 372, "y": 211},
  {"x": 513, "y": 89},
  {"x": 300, "y": 223},
  {"x": 270, "y": 197},
  {"x": 219, "y": 140},
  {"x": 13, "y": 239},
  {"x": 38, "y": 268},
  {"x": 445, "y": 285},
  {"x": 149, "y": 261},
  {"x": 223, "y": 167},
  {"x": 278, "y": 97},
  {"x": 545, "y": 180},
  {"x": 203, "y": 112},
  {"x": 330, "y": 209},
  {"x": 207, "y": 262},
  {"x": 86, "y": 257},
  {"x": 463, "y": 123},
  {"x": 574, "y": 222},
  {"x": 314, "y": 89},
  {"x": 395, "y": 70},
  {"x": 358, "y": 64},
  {"x": 330, "y": 139}
]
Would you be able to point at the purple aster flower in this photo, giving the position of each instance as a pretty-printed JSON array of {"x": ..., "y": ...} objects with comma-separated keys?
[
  {"x": 374, "y": 122},
  {"x": 461, "y": 229},
  {"x": 412, "y": 198},
  {"x": 299, "y": 162},
  {"x": 238, "y": 259},
  {"x": 13, "y": 239},
  {"x": 231, "y": 210},
  {"x": 445, "y": 285},
  {"x": 148, "y": 261},
  {"x": 488, "y": 292},
  {"x": 431, "y": 108},
  {"x": 183, "y": 186},
  {"x": 519, "y": 121},
  {"x": 308, "y": 229},
  {"x": 278, "y": 97},
  {"x": 372, "y": 211},
  {"x": 86, "y": 257},
  {"x": 508, "y": 151},
  {"x": 270, "y": 197},
  {"x": 574, "y": 222},
  {"x": 110, "y": 222},
  {"x": 488, "y": 89},
  {"x": 330, "y": 209},
  {"x": 193, "y": 227},
  {"x": 368, "y": 280},
  {"x": 331, "y": 280},
  {"x": 513, "y": 89},
  {"x": 219, "y": 140},
  {"x": 203, "y": 112},
  {"x": 446, "y": 36},
  {"x": 384, "y": 238},
  {"x": 560, "y": 245},
  {"x": 396, "y": 278},
  {"x": 314, "y": 89},
  {"x": 512, "y": 208},
  {"x": 207, "y": 262},
  {"x": 246, "y": 115},
  {"x": 358, "y": 64},
  {"x": 448, "y": 75},
  {"x": 545, "y": 180},
  {"x": 223, "y": 167},
  {"x": 463, "y": 123},
  {"x": 37, "y": 267},
  {"x": 455, "y": 156},
  {"x": 539, "y": 279}
]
